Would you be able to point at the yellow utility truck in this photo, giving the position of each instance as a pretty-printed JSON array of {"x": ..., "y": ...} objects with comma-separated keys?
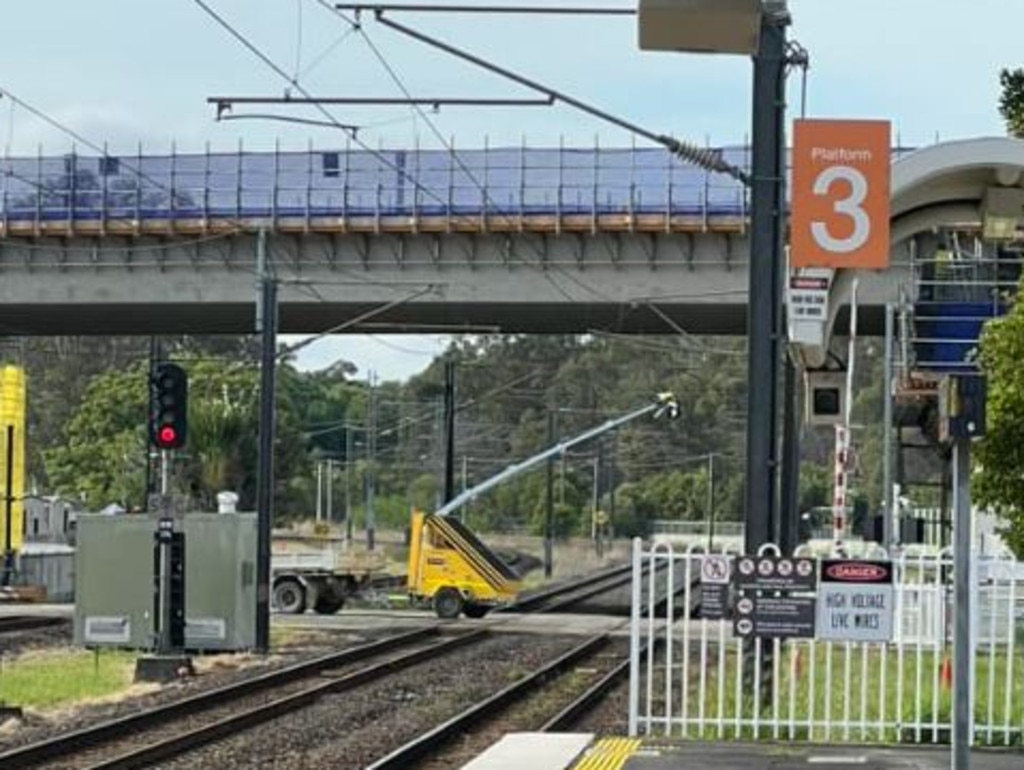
[{"x": 451, "y": 568}]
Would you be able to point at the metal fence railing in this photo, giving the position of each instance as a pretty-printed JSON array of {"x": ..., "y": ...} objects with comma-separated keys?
[{"x": 697, "y": 682}]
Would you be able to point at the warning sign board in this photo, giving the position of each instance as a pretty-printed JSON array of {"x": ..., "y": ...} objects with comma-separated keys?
[
  {"x": 855, "y": 601},
  {"x": 715, "y": 575},
  {"x": 775, "y": 573},
  {"x": 786, "y": 616},
  {"x": 808, "y": 297}
]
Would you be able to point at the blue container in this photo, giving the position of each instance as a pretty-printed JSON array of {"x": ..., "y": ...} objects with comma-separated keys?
[{"x": 947, "y": 333}]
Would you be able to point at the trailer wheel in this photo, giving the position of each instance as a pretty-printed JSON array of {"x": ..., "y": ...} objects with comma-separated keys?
[
  {"x": 290, "y": 596},
  {"x": 448, "y": 603},
  {"x": 328, "y": 605},
  {"x": 475, "y": 611}
]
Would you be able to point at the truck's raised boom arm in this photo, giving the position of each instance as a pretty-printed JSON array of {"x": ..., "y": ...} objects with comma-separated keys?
[{"x": 665, "y": 403}]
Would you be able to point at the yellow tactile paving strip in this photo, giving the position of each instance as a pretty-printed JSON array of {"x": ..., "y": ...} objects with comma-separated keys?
[{"x": 608, "y": 754}]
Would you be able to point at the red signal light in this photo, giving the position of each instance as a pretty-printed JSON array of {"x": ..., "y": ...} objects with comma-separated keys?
[{"x": 167, "y": 435}]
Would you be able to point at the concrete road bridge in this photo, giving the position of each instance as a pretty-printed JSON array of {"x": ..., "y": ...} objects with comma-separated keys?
[{"x": 509, "y": 239}]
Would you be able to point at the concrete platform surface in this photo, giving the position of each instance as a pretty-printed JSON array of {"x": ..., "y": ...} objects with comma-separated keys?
[
  {"x": 533, "y": 751},
  {"x": 652, "y": 755}
]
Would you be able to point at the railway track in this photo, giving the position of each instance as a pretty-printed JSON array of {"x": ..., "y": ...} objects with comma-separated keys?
[
  {"x": 566, "y": 596},
  {"x": 168, "y": 731},
  {"x": 13, "y": 623},
  {"x": 558, "y": 597},
  {"x": 543, "y": 700}
]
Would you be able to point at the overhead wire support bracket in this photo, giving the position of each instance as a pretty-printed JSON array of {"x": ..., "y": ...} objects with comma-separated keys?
[
  {"x": 563, "y": 10},
  {"x": 225, "y": 103},
  {"x": 706, "y": 158},
  {"x": 224, "y": 115}
]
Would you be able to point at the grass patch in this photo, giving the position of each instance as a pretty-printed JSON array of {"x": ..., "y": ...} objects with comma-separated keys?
[
  {"x": 42, "y": 680},
  {"x": 860, "y": 694}
]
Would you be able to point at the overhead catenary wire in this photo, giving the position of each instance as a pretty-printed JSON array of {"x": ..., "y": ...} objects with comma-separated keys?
[
  {"x": 704, "y": 157},
  {"x": 421, "y": 113},
  {"x": 402, "y": 173}
]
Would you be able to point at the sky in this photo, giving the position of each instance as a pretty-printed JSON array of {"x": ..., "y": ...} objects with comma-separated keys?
[{"x": 123, "y": 72}]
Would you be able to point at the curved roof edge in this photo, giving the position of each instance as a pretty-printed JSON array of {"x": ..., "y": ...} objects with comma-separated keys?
[{"x": 954, "y": 164}]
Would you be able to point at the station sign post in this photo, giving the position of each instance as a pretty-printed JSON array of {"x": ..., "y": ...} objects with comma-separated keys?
[{"x": 840, "y": 199}]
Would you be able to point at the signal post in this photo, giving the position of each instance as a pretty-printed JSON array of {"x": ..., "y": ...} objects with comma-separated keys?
[{"x": 168, "y": 430}]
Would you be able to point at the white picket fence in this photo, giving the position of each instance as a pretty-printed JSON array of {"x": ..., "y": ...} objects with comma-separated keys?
[{"x": 700, "y": 681}]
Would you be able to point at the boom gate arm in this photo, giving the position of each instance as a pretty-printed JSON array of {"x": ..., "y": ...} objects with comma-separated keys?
[{"x": 664, "y": 403}]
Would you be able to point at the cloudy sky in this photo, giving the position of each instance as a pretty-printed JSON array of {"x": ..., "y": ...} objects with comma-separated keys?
[{"x": 123, "y": 71}]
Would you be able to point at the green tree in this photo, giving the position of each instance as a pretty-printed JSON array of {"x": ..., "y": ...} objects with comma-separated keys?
[
  {"x": 102, "y": 458},
  {"x": 999, "y": 482},
  {"x": 1011, "y": 101}
]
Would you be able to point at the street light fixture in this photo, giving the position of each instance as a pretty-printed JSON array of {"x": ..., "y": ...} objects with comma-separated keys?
[{"x": 700, "y": 26}]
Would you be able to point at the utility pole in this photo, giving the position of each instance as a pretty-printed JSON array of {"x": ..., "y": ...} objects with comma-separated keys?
[
  {"x": 963, "y": 644},
  {"x": 549, "y": 502},
  {"x": 612, "y": 462},
  {"x": 319, "y": 489},
  {"x": 449, "y": 430},
  {"x": 711, "y": 501},
  {"x": 371, "y": 456},
  {"x": 349, "y": 513},
  {"x": 266, "y": 324},
  {"x": 888, "y": 517},
  {"x": 789, "y": 517},
  {"x": 765, "y": 277},
  {"x": 329, "y": 492},
  {"x": 8, "y": 575},
  {"x": 154, "y": 356}
]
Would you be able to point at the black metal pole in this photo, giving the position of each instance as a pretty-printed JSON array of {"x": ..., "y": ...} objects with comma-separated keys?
[
  {"x": 449, "y": 430},
  {"x": 265, "y": 475},
  {"x": 764, "y": 277},
  {"x": 154, "y": 357},
  {"x": 549, "y": 502},
  {"x": 9, "y": 506},
  {"x": 789, "y": 515},
  {"x": 711, "y": 501}
]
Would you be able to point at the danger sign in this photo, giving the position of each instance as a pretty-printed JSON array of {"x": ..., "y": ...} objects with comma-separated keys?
[
  {"x": 855, "y": 601},
  {"x": 840, "y": 200}
]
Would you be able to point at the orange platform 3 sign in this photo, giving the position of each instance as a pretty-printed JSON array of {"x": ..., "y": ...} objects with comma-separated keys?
[{"x": 840, "y": 194}]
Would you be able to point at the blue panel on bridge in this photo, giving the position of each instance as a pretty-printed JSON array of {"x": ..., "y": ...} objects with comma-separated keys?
[
  {"x": 946, "y": 334},
  {"x": 506, "y": 181}
]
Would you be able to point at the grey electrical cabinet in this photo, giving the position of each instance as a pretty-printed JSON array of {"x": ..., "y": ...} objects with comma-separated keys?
[{"x": 115, "y": 583}]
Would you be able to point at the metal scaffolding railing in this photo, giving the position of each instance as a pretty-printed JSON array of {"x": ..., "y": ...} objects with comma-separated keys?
[
  {"x": 490, "y": 182},
  {"x": 959, "y": 285}
]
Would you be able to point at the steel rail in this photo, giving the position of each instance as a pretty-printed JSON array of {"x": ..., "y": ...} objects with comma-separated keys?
[
  {"x": 96, "y": 735},
  {"x": 538, "y": 599},
  {"x": 29, "y": 623},
  {"x": 571, "y": 714},
  {"x": 191, "y": 740},
  {"x": 404, "y": 757}
]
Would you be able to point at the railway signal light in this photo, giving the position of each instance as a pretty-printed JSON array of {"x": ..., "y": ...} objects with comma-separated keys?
[{"x": 168, "y": 407}]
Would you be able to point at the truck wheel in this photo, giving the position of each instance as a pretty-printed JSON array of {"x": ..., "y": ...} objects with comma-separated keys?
[
  {"x": 448, "y": 603},
  {"x": 329, "y": 605},
  {"x": 475, "y": 611},
  {"x": 290, "y": 597}
]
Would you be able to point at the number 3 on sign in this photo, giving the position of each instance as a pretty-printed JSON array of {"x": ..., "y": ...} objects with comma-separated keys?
[
  {"x": 840, "y": 198},
  {"x": 850, "y": 206}
]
